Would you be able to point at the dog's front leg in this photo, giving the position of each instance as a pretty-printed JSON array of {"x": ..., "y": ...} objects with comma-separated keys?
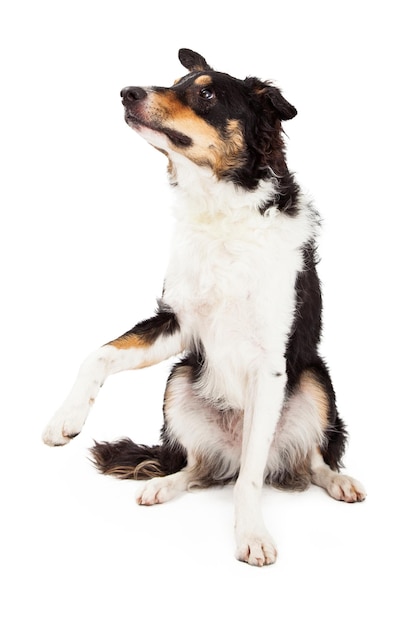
[
  {"x": 254, "y": 544},
  {"x": 149, "y": 342}
]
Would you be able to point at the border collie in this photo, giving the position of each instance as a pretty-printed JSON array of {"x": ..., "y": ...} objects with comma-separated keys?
[{"x": 249, "y": 400}]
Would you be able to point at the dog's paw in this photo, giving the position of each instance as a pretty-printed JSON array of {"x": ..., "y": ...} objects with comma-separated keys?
[
  {"x": 345, "y": 488},
  {"x": 257, "y": 549},
  {"x": 156, "y": 491},
  {"x": 64, "y": 426}
]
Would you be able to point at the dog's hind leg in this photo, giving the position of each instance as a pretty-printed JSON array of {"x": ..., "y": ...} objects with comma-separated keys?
[
  {"x": 326, "y": 459},
  {"x": 163, "y": 488},
  {"x": 191, "y": 425},
  {"x": 339, "y": 486},
  {"x": 149, "y": 342}
]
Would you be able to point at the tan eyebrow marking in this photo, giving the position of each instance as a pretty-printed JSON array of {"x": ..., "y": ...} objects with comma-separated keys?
[{"x": 203, "y": 80}]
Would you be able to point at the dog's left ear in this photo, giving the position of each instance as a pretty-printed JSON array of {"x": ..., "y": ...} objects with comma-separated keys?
[
  {"x": 286, "y": 110},
  {"x": 193, "y": 61},
  {"x": 273, "y": 96}
]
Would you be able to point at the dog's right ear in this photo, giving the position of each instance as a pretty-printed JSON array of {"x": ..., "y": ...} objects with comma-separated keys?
[{"x": 193, "y": 61}]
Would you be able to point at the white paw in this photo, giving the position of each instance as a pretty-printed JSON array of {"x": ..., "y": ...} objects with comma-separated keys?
[
  {"x": 156, "y": 491},
  {"x": 64, "y": 426},
  {"x": 345, "y": 488},
  {"x": 256, "y": 549}
]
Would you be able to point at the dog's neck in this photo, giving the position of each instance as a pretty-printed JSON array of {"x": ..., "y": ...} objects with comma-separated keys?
[{"x": 203, "y": 194}]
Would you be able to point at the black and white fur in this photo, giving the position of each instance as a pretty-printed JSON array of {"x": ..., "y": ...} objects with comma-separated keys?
[{"x": 250, "y": 400}]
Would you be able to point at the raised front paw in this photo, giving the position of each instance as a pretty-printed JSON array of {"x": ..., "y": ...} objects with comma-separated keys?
[
  {"x": 256, "y": 549},
  {"x": 64, "y": 426}
]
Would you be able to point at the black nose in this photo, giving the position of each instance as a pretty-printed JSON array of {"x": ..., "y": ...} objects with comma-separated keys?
[{"x": 133, "y": 93}]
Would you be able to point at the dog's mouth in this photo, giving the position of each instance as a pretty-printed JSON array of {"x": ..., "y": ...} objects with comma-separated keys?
[{"x": 177, "y": 138}]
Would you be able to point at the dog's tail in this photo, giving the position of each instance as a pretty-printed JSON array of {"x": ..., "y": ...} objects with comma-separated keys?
[{"x": 126, "y": 459}]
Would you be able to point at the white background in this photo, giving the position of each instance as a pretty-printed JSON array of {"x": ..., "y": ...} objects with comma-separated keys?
[{"x": 85, "y": 220}]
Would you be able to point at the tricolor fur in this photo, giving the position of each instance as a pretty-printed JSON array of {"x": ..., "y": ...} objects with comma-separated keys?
[{"x": 249, "y": 400}]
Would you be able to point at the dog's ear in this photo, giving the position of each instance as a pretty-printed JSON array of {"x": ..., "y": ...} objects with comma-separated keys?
[
  {"x": 193, "y": 61},
  {"x": 273, "y": 97},
  {"x": 286, "y": 110}
]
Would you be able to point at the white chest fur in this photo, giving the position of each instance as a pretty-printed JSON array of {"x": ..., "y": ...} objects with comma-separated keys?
[{"x": 231, "y": 282}]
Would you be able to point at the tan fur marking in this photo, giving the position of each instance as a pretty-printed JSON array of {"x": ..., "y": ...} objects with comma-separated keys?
[
  {"x": 209, "y": 147},
  {"x": 130, "y": 340},
  {"x": 166, "y": 106},
  {"x": 170, "y": 396},
  {"x": 309, "y": 385},
  {"x": 231, "y": 149},
  {"x": 203, "y": 80}
]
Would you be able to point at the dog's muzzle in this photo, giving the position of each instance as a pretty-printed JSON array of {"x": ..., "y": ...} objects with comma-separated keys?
[{"x": 137, "y": 116}]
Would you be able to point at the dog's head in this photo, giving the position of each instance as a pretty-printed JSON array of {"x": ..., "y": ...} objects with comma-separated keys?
[{"x": 229, "y": 125}]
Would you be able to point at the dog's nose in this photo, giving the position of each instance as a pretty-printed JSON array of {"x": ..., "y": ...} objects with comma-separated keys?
[{"x": 133, "y": 93}]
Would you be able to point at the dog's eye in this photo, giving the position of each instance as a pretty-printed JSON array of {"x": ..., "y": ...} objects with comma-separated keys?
[{"x": 206, "y": 93}]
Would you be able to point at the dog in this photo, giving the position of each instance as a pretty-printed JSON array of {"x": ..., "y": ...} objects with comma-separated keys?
[{"x": 249, "y": 400}]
